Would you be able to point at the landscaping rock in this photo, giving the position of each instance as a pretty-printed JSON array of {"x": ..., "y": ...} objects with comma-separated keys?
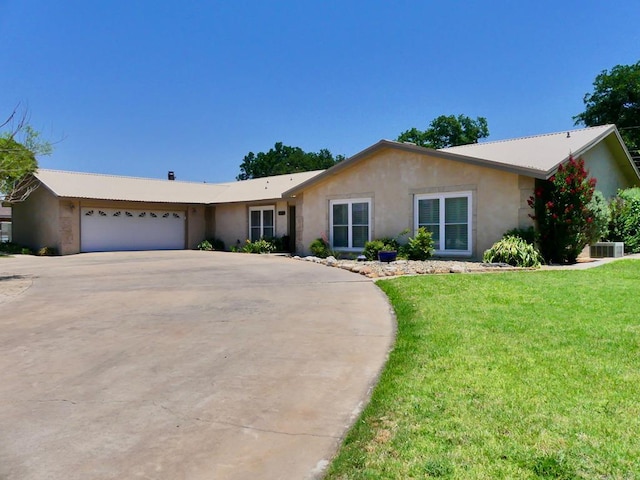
[{"x": 408, "y": 267}]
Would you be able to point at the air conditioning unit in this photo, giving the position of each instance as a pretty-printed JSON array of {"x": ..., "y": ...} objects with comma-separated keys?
[{"x": 607, "y": 250}]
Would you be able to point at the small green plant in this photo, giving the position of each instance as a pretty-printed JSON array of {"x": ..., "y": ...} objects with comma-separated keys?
[
  {"x": 258, "y": 246},
  {"x": 320, "y": 248},
  {"x": 205, "y": 245},
  {"x": 513, "y": 251},
  {"x": 372, "y": 248},
  {"x": 11, "y": 248},
  {"x": 26, "y": 251},
  {"x": 47, "y": 252},
  {"x": 419, "y": 247}
]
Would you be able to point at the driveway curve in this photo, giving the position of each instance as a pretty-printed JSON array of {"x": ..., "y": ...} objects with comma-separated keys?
[{"x": 182, "y": 365}]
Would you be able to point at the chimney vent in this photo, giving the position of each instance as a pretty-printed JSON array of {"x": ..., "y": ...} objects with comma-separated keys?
[{"x": 171, "y": 175}]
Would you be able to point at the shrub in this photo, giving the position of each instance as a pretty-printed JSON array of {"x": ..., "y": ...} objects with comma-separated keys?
[
  {"x": 514, "y": 251},
  {"x": 527, "y": 234},
  {"x": 47, "y": 252},
  {"x": 372, "y": 248},
  {"x": 420, "y": 247},
  {"x": 211, "y": 244},
  {"x": 259, "y": 246},
  {"x": 217, "y": 244},
  {"x": 624, "y": 225},
  {"x": 562, "y": 213},
  {"x": 320, "y": 248},
  {"x": 205, "y": 245},
  {"x": 11, "y": 248},
  {"x": 601, "y": 214}
]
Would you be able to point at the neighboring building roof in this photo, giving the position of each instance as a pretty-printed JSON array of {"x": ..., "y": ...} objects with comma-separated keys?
[
  {"x": 134, "y": 189},
  {"x": 537, "y": 156}
]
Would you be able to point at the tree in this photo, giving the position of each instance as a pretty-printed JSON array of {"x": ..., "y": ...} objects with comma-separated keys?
[
  {"x": 448, "y": 131},
  {"x": 615, "y": 99},
  {"x": 19, "y": 146},
  {"x": 562, "y": 214},
  {"x": 282, "y": 159}
]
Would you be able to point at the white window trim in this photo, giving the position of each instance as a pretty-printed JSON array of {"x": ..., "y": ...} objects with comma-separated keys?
[
  {"x": 262, "y": 209},
  {"x": 442, "y": 196},
  {"x": 350, "y": 202}
]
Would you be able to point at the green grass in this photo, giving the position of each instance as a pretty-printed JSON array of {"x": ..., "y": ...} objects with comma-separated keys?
[{"x": 522, "y": 375}]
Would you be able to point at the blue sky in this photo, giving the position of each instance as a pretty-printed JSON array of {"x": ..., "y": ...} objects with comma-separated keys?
[{"x": 141, "y": 87}]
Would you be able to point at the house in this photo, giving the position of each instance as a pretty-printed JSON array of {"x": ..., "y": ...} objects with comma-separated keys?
[
  {"x": 467, "y": 196},
  {"x": 82, "y": 212}
]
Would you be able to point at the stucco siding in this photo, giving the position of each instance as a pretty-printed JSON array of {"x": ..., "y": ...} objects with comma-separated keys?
[
  {"x": 608, "y": 172},
  {"x": 232, "y": 221},
  {"x": 232, "y": 224},
  {"x": 35, "y": 220},
  {"x": 196, "y": 225},
  {"x": 392, "y": 178}
]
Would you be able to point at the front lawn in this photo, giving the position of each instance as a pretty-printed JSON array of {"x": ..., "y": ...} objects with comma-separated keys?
[{"x": 511, "y": 375}]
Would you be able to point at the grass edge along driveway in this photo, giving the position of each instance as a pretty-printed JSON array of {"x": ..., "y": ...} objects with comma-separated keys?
[{"x": 524, "y": 375}]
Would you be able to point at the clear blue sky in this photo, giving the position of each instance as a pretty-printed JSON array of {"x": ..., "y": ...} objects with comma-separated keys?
[{"x": 141, "y": 87}]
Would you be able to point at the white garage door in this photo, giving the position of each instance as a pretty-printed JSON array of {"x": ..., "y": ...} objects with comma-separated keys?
[{"x": 108, "y": 229}]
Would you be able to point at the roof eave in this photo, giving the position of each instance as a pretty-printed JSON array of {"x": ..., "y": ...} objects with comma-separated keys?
[{"x": 410, "y": 147}]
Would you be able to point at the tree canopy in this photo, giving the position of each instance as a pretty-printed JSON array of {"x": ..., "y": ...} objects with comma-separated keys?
[
  {"x": 19, "y": 146},
  {"x": 283, "y": 159},
  {"x": 615, "y": 99},
  {"x": 448, "y": 131}
]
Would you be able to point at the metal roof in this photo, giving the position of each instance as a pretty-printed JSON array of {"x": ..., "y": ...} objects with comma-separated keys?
[
  {"x": 536, "y": 156},
  {"x": 539, "y": 152},
  {"x": 135, "y": 189}
]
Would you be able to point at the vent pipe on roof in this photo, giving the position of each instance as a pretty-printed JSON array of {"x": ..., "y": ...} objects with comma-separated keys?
[{"x": 171, "y": 175}]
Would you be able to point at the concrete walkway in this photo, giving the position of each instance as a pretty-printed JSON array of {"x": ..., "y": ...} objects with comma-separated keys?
[
  {"x": 182, "y": 365},
  {"x": 590, "y": 263}
]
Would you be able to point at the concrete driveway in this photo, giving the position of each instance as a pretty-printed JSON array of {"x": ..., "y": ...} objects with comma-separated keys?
[{"x": 182, "y": 365}]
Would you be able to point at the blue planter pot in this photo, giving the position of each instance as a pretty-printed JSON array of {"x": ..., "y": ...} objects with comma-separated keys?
[{"x": 387, "y": 256}]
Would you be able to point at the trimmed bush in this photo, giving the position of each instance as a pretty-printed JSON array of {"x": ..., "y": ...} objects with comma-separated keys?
[
  {"x": 625, "y": 219},
  {"x": 320, "y": 248},
  {"x": 259, "y": 246},
  {"x": 513, "y": 251},
  {"x": 419, "y": 247}
]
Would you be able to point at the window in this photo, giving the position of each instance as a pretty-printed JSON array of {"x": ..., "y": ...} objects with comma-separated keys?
[
  {"x": 262, "y": 222},
  {"x": 448, "y": 217},
  {"x": 350, "y": 220}
]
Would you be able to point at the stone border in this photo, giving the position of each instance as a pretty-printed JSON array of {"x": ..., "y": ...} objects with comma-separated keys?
[{"x": 410, "y": 267}]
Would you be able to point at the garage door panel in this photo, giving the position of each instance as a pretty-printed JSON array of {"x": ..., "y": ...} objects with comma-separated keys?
[{"x": 104, "y": 229}]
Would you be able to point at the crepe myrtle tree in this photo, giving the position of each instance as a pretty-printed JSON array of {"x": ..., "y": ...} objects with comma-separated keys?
[{"x": 561, "y": 211}]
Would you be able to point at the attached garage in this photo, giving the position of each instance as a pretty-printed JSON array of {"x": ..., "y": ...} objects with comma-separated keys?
[{"x": 110, "y": 229}]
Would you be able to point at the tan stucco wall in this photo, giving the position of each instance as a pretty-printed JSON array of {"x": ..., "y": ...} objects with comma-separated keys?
[
  {"x": 232, "y": 221},
  {"x": 196, "y": 225},
  {"x": 392, "y": 178},
  {"x": 610, "y": 174},
  {"x": 35, "y": 221}
]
